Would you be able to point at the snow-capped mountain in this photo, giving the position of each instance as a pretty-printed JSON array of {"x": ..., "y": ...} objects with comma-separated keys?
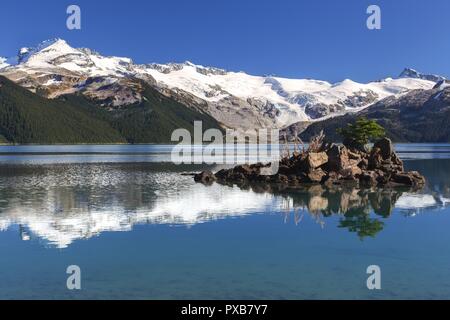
[
  {"x": 3, "y": 63},
  {"x": 411, "y": 73},
  {"x": 54, "y": 68},
  {"x": 417, "y": 116},
  {"x": 236, "y": 99},
  {"x": 56, "y": 53}
]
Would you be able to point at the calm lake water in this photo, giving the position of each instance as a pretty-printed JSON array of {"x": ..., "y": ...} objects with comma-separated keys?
[{"x": 139, "y": 229}]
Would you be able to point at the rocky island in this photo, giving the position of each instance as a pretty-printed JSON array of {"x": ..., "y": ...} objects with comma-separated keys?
[{"x": 328, "y": 164}]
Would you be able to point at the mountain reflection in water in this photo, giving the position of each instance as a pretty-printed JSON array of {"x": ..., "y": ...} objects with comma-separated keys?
[{"x": 63, "y": 203}]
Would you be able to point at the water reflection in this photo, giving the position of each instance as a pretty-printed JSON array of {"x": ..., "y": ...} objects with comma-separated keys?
[
  {"x": 359, "y": 210},
  {"x": 64, "y": 203}
]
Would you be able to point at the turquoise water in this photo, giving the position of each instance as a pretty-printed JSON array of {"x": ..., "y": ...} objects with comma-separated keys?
[{"x": 140, "y": 229}]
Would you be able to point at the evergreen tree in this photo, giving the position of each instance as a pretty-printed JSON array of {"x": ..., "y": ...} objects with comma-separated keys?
[{"x": 362, "y": 131}]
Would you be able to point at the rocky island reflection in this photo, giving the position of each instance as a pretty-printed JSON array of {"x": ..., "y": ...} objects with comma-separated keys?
[
  {"x": 359, "y": 210},
  {"x": 60, "y": 204}
]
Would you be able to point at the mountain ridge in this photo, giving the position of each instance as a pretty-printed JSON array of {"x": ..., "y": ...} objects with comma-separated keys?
[
  {"x": 419, "y": 116},
  {"x": 235, "y": 99},
  {"x": 412, "y": 73}
]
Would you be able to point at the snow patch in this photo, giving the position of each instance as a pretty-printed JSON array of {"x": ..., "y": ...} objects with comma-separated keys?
[{"x": 3, "y": 63}]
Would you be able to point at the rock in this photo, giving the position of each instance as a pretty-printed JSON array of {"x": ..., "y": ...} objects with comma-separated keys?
[
  {"x": 333, "y": 157},
  {"x": 316, "y": 159},
  {"x": 354, "y": 145},
  {"x": 368, "y": 179},
  {"x": 238, "y": 176},
  {"x": 337, "y": 158},
  {"x": 316, "y": 176},
  {"x": 206, "y": 177},
  {"x": 284, "y": 169},
  {"x": 397, "y": 162},
  {"x": 382, "y": 177},
  {"x": 354, "y": 155},
  {"x": 402, "y": 178},
  {"x": 363, "y": 164},
  {"x": 331, "y": 178},
  {"x": 245, "y": 169},
  {"x": 335, "y": 165},
  {"x": 281, "y": 178},
  {"x": 385, "y": 147},
  {"x": 222, "y": 174},
  {"x": 375, "y": 158},
  {"x": 351, "y": 171},
  {"x": 412, "y": 178},
  {"x": 293, "y": 179}
]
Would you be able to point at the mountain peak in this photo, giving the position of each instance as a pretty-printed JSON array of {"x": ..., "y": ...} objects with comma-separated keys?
[
  {"x": 50, "y": 42},
  {"x": 412, "y": 73},
  {"x": 189, "y": 63},
  {"x": 56, "y": 44},
  {"x": 3, "y": 63}
]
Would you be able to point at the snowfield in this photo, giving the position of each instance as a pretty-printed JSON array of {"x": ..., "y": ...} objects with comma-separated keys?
[
  {"x": 273, "y": 101},
  {"x": 3, "y": 63}
]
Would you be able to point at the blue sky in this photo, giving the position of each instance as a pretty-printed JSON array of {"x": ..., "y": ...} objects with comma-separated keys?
[{"x": 318, "y": 39}]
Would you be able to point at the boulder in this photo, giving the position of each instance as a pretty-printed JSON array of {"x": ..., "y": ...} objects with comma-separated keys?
[
  {"x": 382, "y": 177},
  {"x": 206, "y": 177},
  {"x": 316, "y": 176},
  {"x": 395, "y": 160},
  {"x": 355, "y": 155},
  {"x": 337, "y": 158},
  {"x": 351, "y": 171},
  {"x": 363, "y": 164},
  {"x": 238, "y": 176},
  {"x": 284, "y": 169},
  {"x": 316, "y": 159},
  {"x": 293, "y": 179},
  {"x": 223, "y": 174},
  {"x": 385, "y": 146},
  {"x": 375, "y": 159},
  {"x": 245, "y": 169},
  {"x": 412, "y": 178},
  {"x": 281, "y": 178},
  {"x": 331, "y": 179},
  {"x": 368, "y": 179}
]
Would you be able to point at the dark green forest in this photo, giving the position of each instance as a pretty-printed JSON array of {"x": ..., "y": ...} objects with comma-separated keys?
[{"x": 27, "y": 118}]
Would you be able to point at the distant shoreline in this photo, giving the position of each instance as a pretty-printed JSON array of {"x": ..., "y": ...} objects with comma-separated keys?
[{"x": 165, "y": 144}]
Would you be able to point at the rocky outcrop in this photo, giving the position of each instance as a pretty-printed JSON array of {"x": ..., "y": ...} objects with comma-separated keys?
[
  {"x": 205, "y": 177},
  {"x": 329, "y": 164}
]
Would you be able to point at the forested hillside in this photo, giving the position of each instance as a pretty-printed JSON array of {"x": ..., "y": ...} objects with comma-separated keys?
[{"x": 29, "y": 118}]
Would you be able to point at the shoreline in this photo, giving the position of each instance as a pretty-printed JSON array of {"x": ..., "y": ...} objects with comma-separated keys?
[{"x": 174, "y": 144}]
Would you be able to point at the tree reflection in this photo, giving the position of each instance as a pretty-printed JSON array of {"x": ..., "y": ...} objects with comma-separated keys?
[
  {"x": 362, "y": 224},
  {"x": 360, "y": 210}
]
